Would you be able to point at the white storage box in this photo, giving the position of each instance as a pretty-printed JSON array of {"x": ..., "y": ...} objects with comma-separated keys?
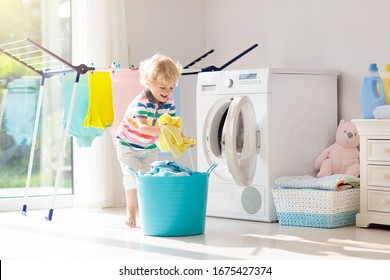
[{"x": 316, "y": 208}]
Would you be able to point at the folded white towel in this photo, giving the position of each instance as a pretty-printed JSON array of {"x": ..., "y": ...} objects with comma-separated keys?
[{"x": 333, "y": 182}]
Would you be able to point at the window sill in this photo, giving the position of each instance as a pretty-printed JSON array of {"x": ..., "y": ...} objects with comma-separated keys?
[{"x": 36, "y": 202}]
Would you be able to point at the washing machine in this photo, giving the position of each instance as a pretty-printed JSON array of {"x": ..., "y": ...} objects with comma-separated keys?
[{"x": 258, "y": 125}]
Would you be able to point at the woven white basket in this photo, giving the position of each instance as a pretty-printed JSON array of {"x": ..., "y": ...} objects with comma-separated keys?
[{"x": 316, "y": 208}]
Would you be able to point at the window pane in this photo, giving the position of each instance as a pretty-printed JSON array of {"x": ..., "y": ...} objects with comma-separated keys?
[{"x": 48, "y": 24}]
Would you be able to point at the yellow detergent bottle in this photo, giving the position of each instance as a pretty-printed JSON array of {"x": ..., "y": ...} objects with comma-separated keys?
[{"x": 386, "y": 83}]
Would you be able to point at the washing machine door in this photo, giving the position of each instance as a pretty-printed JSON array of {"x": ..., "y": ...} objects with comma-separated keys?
[{"x": 240, "y": 134}]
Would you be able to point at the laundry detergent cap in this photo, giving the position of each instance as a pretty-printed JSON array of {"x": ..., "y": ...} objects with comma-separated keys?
[{"x": 373, "y": 67}]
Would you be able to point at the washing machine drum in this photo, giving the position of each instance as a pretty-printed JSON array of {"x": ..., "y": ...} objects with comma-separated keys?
[{"x": 231, "y": 139}]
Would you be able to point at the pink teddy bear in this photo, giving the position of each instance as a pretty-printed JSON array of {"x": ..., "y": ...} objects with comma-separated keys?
[{"x": 343, "y": 157}]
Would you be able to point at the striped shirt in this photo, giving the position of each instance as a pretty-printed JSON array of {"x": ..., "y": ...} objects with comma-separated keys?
[{"x": 143, "y": 106}]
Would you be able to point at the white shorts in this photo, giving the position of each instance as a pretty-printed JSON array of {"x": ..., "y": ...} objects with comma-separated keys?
[{"x": 137, "y": 159}]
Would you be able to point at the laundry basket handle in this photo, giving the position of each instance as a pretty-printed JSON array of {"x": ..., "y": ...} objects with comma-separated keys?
[
  {"x": 132, "y": 170},
  {"x": 211, "y": 168}
]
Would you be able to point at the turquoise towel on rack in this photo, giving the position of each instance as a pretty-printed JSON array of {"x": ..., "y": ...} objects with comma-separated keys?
[
  {"x": 20, "y": 109},
  {"x": 84, "y": 135}
]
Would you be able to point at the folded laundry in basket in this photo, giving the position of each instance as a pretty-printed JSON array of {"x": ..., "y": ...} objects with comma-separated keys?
[
  {"x": 166, "y": 168},
  {"x": 333, "y": 182}
]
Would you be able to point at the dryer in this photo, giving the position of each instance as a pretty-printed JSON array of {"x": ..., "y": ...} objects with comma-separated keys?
[{"x": 258, "y": 125}]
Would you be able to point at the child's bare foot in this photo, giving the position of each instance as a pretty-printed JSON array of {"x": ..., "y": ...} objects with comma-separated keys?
[{"x": 131, "y": 218}]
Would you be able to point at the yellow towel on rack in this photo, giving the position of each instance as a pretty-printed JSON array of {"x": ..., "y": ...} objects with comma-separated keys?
[
  {"x": 100, "y": 112},
  {"x": 171, "y": 138}
]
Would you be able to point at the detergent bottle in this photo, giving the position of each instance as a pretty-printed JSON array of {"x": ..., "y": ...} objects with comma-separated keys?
[
  {"x": 372, "y": 92},
  {"x": 386, "y": 83}
]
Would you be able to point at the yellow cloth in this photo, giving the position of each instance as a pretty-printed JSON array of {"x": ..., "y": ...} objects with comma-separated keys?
[
  {"x": 100, "y": 109},
  {"x": 171, "y": 139}
]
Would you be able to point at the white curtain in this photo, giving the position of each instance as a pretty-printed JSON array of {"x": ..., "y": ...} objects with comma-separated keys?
[{"x": 98, "y": 37}]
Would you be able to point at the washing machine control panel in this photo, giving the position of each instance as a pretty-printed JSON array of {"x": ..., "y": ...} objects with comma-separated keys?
[
  {"x": 235, "y": 81},
  {"x": 228, "y": 83},
  {"x": 244, "y": 80},
  {"x": 248, "y": 78}
]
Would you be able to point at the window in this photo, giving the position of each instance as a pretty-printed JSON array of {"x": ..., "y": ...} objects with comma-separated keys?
[{"x": 47, "y": 23}]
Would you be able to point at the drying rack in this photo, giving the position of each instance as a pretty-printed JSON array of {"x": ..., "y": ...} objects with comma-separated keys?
[
  {"x": 47, "y": 64},
  {"x": 212, "y": 67}
]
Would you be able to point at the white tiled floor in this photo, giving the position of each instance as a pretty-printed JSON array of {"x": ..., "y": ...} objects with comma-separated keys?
[{"x": 101, "y": 234}]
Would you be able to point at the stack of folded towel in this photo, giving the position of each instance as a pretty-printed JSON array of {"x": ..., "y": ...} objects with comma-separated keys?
[
  {"x": 333, "y": 182},
  {"x": 328, "y": 202}
]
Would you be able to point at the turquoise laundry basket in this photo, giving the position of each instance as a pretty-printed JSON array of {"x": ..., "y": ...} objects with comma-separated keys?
[{"x": 173, "y": 205}]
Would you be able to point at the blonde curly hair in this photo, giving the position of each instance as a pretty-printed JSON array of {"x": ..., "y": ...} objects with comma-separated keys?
[{"x": 159, "y": 69}]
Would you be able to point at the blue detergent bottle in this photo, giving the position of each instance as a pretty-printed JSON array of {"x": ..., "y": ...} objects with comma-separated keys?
[{"x": 372, "y": 93}]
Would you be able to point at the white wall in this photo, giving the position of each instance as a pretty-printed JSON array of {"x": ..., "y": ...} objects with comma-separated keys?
[
  {"x": 175, "y": 28},
  {"x": 337, "y": 35},
  {"x": 344, "y": 35}
]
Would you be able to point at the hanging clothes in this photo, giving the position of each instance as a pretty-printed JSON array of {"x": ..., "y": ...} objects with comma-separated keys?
[
  {"x": 100, "y": 112},
  {"x": 84, "y": 136},
  {"x": 125, "y": 87},
  {"x": 20, "y": 109}
]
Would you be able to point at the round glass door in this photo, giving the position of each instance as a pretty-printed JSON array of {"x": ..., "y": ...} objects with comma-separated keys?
[
  {"x": 214, "y": 138},
  {"x": 240, "y": 140}
]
